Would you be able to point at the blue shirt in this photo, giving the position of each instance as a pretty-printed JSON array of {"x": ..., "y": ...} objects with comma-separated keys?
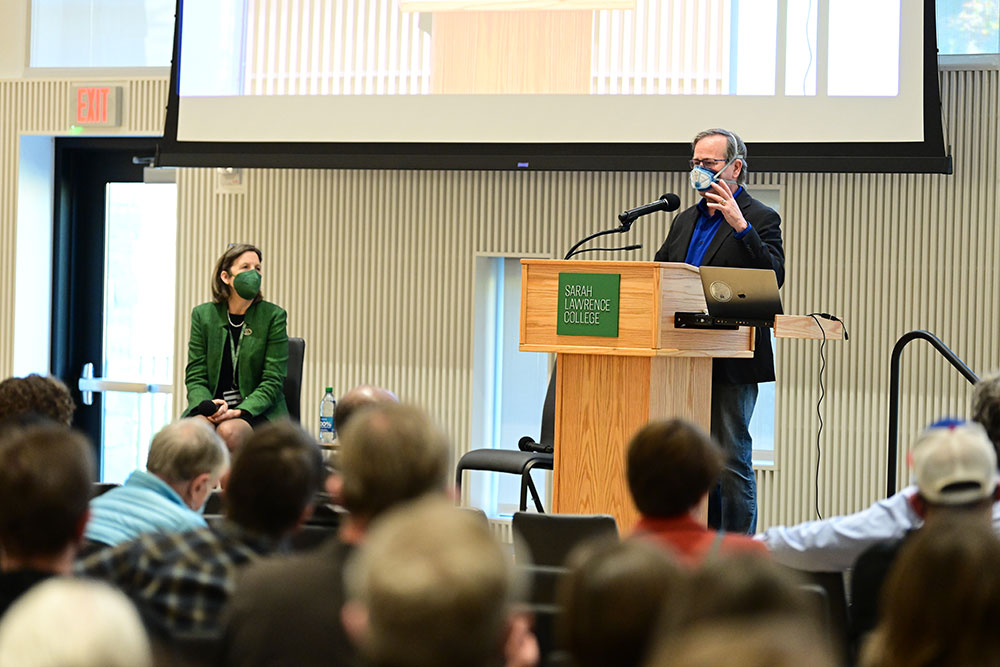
[
  {"x": 705, "y": 230},
  {"x": 143, "y": 504}
]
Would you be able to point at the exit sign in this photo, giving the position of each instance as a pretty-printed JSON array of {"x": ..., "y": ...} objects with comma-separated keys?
[{"x": 96, "y": 106}]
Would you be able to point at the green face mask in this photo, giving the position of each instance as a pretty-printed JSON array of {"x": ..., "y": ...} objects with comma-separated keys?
[{"x": 247, "y": 284}]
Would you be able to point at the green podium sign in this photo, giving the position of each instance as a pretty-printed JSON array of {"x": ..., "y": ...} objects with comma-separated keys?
[{"x": 588, "y": 304}]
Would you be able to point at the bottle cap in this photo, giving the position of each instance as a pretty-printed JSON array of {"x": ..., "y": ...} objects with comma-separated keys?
[{"x": 329, "y": 390}]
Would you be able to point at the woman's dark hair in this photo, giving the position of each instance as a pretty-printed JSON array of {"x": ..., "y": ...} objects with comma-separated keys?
[{"x": 220, "y": 290}]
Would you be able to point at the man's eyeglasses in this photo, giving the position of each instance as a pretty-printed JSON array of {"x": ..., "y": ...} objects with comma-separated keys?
[{"x": 708, "y": 162}]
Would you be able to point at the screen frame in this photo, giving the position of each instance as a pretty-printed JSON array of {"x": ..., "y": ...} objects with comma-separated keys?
[{"x": 927, "y": 156}]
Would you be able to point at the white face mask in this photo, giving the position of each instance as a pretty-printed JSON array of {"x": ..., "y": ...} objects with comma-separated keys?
[{"x": 701, "y": 178}]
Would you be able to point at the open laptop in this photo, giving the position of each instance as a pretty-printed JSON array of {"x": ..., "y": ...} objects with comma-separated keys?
[{"x": 736, "y": 298}]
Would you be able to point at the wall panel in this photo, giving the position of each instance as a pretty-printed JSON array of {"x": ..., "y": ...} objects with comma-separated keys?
[{"x": 375, "y": 269}]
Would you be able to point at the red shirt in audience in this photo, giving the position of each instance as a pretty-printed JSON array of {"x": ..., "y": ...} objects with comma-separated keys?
[{"x": 691, "y": 540}]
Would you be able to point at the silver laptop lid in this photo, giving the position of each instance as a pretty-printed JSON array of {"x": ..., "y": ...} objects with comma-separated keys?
[{"x": 741, "y": 293}]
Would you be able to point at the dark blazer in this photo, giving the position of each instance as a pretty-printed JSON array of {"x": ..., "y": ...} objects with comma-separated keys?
[
  {"x": 262, "y": 362},
  {"x": 286, "y": 611},
  {"x": 760, "y": 248}
]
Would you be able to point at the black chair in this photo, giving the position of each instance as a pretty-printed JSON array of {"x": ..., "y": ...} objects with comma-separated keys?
[
  {"x": 213, "y": 504},
  {"x": 546, "y": 539},
  {"x": 293, "y": 380},
  {"x": 543, "y": 581},
  {"x": 519, "y": 462},
  {"x": 833, "y": 602},
  {"x": 543, "y": 605},
  {"x": 100, "y": 488}
]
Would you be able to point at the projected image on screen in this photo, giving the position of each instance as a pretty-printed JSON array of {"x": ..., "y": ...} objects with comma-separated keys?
[{"x": 547, "y": 70}]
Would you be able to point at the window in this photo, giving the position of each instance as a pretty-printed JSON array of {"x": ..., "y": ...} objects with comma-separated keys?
[
  {"x": 968, "y": 27},
  {"x": 102, "y": 33},
  {"x": 138, "y": 332},
  {"x": 762, "y": 422},
  {"x": 508, "y": 385}
]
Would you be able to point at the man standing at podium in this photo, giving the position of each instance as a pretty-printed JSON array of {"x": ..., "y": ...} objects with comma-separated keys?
[{"x": 728, "y": 227}]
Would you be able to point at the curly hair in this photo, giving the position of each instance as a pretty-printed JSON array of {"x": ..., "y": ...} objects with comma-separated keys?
[
  {"x": 986, "y": 406},
  {"x": 35, "y": 394}
]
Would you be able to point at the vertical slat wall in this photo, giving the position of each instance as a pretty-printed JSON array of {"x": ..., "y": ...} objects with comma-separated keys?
[
  {"x": 888, "y": 253},
  {"x": 646, "y": 50},
  {"x": 335, "y": 47},
  {"x": 375, "y": 270}
]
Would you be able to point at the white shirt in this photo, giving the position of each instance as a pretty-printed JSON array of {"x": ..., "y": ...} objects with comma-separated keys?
[{"x": 832, "y": 545}]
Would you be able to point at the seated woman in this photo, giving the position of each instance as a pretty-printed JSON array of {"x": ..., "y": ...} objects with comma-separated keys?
[{"x": 238, "y": 351}]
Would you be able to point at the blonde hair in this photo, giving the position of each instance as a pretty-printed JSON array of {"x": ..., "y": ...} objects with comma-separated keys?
[{"x": 65, "y": 622}]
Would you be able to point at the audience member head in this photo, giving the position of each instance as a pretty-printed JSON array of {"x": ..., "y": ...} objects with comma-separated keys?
[
  {"x": 671, "y": 465},
  {"x": 612, "y": 599},
  {"x": 986, "y": 405},
  {"x": 765, "y": 642},
  {"x": 220, "y": 289},
  {"x": 940, "y": 604},
  {"x": 390, "y": 454},
  {"x": 744, "y": 586},
  {"x": 67, "y": 622},
  {"x": 955, "y": 466},
  {"x": 746, "y": 590},
  {"x": 190, "y": 457},
  {"x": 360, "y": 397},
  {"x": 35, "y": 395},
  {"x": 430, "y": 587},
  {"x": 273, "y": 480},
  {"x": 46, "y": 479}
]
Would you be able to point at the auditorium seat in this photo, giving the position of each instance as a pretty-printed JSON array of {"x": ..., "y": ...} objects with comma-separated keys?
[
  {"x": 293, "y": 380},
  {"x": 546, "y": 539},
  {"x": 518, "y": 462}
]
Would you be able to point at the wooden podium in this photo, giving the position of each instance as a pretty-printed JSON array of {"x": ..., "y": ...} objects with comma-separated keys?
[{"x": 609, "y": 387}]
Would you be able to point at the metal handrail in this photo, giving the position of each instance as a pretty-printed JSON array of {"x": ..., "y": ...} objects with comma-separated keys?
[{"x": 897, "y": 351}]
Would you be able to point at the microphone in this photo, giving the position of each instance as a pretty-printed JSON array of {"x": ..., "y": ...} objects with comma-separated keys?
[
  {"x": 528, "y": 444},
  {"x": 666, "y": 202}
]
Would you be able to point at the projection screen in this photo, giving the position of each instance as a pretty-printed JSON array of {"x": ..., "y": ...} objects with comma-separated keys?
[{"x": 814, "y": 85}]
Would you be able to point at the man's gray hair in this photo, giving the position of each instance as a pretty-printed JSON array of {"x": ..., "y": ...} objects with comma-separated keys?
[
  {"x": 986, "y": 406},
  {"x": 391, "y": 454},
  {"x": 734, "y": 147},
  {"x": 185, "y": 449},
  {"x": 437, "y": 586}
]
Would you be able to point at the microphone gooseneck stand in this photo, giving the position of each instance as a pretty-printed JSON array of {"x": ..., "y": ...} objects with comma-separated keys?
[
  {"x": 621, "y": 229},
  {"x": 666, "y": 202}
]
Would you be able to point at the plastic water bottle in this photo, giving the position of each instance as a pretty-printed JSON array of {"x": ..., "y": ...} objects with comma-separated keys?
[{"x": 327, "y": 432}]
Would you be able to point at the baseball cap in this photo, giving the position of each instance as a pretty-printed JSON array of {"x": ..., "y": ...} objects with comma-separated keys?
[{"x": 955, "y": 463}]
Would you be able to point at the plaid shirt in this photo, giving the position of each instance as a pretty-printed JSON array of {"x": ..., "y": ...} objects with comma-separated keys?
[{"x": 180, "y": 581}]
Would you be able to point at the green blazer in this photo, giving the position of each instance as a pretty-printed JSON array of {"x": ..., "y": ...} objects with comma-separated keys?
[{"x": 262, "y": 361}]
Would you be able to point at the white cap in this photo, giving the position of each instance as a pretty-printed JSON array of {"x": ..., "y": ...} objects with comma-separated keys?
[{"x": 955, "y": 463}]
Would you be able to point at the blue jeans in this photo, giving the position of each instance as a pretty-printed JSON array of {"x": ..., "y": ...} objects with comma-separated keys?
[{"x": 732, "y": 505}]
